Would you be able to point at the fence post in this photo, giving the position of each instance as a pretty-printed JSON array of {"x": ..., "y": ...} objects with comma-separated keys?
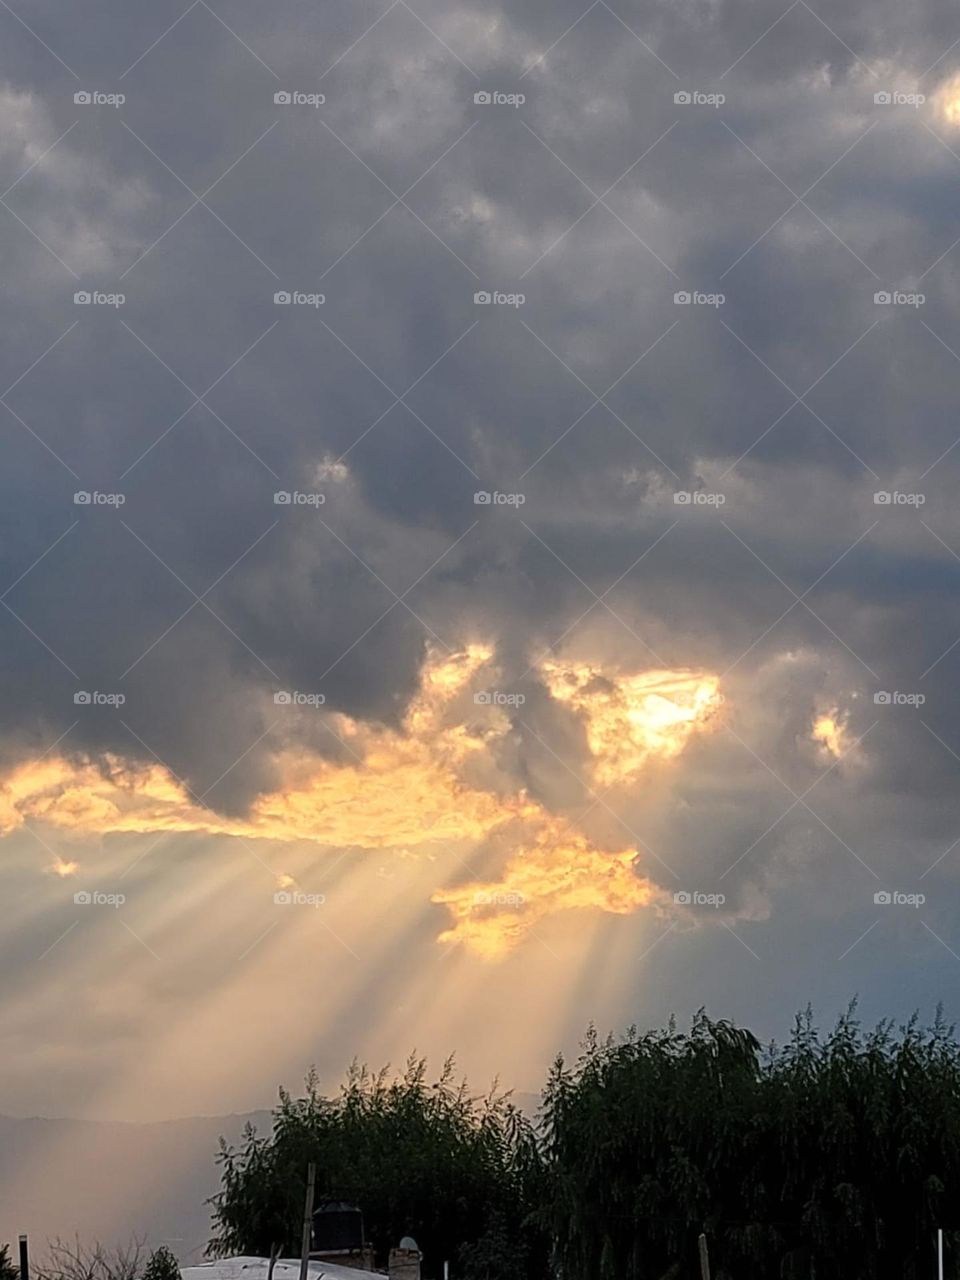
[
  {"x": 307, "y": 1220},
  {"x": 704, "y": 1258},
  {"x": 940, "y": 1252}
]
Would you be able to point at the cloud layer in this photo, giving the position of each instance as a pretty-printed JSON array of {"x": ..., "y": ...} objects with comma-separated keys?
[{"x": 618, "y": 372}]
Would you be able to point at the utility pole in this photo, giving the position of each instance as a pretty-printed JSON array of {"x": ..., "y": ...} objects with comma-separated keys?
[
  {"x": 24, "y": 1259},
  {"x": 307, "y": 1220},
  {"x": 704, "y": 1258}
]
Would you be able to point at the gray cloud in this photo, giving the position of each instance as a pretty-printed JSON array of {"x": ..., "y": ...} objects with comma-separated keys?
[{"x": 798, "y": 399}]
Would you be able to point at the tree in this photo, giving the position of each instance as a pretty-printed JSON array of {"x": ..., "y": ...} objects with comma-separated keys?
[
  {"x": 7, "y": 1269},
  {"x": 418, "y": 1158},
  {"x": 78, "y": 1261},
  {"x": 827, "y": 1157},
  {"x": 162, "y": 1265},
  {"x": 833, "y": 1155}
]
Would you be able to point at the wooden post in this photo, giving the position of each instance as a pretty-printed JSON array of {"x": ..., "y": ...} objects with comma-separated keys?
[
  {"x": 24, "y": 1259},
  {"x": 307, "y": 1220},
  {"x": 704, "y": 1258}
]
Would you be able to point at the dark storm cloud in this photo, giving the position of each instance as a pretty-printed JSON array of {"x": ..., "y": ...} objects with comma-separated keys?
[{"x": 598, "y": 398}]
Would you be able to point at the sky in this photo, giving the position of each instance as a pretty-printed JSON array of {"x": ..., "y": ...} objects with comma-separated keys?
[{"x": 479, "y": 544}]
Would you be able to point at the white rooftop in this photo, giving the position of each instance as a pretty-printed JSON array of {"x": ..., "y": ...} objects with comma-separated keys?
[{"x": 285, "y": 1269}]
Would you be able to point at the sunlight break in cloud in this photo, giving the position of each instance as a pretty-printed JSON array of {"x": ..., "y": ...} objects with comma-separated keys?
[{"x": 435, "y": 782}]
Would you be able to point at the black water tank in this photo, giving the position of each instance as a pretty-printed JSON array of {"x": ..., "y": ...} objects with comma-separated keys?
[{"x": 337, "y": 1225}]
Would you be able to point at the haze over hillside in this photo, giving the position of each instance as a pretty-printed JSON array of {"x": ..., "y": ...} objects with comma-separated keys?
[{"x": 110, "y": 1180}]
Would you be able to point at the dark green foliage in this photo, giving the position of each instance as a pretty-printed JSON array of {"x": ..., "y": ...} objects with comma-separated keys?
[
  {"x": 162, "y": 1265},
  {"x": 828, "y": 1158},
  {"x": 8, "y": 1271},
  {"x": 420, "y": 1159},
  {"x": 831, "y": 1158},
  {"x": 497, "y": 1255}
]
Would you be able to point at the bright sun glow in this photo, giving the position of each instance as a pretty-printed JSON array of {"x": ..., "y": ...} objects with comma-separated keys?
[
  {"x": 948, "y": 101},
  {"x": 631, "y": 719},
  {"x": 435, "y": 785}
]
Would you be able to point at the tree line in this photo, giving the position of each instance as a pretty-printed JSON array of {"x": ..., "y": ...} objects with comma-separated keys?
[{"x": 831, "y": 1156}]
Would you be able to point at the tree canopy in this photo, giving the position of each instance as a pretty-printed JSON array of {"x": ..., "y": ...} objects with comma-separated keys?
[
  {"x": 831, "y": 1155},
  {"x": 419, "y": 1158}
]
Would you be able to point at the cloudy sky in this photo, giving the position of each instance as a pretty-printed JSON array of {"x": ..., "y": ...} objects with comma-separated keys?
[{"x": 480, "y": 550}]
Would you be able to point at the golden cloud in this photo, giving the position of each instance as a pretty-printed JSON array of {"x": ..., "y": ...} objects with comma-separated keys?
[
  {"x": 559, "y": 870},
  {"x": 634, "y": 718},
  {"x": 948, "y": 101},
  {"x": 433, "y": 782}
]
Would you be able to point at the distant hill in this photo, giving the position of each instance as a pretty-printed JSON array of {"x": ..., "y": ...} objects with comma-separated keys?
[{"x": 110, "y": 1181}]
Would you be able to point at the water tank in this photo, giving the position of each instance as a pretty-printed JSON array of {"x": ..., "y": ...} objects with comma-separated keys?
[{"x": 337, "y": 1225}]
